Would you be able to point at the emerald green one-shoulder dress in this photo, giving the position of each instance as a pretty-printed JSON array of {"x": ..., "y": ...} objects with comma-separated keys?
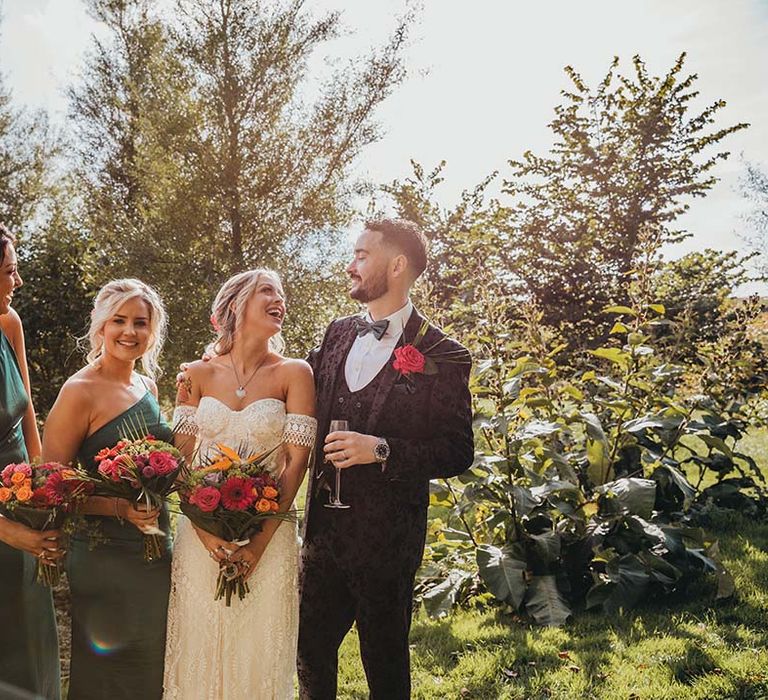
[
  {"x": 119, "y": 601},
  {"x": 29, "y": 649}
]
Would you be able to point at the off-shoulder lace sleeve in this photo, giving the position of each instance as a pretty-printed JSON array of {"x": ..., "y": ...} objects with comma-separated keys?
[
  {"x": 299, "y": 430},
  {"x": 185, "y": 420}
]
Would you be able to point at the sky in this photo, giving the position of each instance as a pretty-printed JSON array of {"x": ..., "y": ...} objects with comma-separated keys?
[{"x": 484, "y": 78}]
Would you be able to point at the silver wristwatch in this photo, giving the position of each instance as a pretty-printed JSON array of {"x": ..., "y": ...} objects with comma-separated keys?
[{"x": 381, "y": 451}]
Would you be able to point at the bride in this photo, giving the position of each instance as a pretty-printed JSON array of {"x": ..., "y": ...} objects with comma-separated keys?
[{"x": 251, "y": 398}]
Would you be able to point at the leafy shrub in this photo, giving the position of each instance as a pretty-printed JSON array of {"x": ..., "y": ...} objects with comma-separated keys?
[{"x": 590, "y": 484}]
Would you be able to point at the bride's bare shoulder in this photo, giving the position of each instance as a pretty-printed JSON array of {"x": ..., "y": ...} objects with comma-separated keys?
[{"x": 294, "y": 367}]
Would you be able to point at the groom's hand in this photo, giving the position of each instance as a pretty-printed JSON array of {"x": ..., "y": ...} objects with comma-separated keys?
[{"x": 346, "y": 449}]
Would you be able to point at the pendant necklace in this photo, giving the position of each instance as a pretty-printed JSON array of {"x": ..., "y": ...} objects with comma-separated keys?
[{"x": 240, "y": 392}]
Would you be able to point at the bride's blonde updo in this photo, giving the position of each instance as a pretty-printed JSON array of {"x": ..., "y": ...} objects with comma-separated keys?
[
  {"x": 109, "y": 299},
  {"x": 229, "y": 307}
]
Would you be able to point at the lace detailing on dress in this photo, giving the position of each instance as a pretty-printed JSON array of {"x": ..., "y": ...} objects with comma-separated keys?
[
  {"x": 248, "y": 650},
  {"x": 300, "y": 430},
  {"x": 185, "y": 420}
]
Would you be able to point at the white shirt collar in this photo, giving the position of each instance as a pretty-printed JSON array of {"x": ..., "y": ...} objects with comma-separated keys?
[{"x": 396, "y": 320}]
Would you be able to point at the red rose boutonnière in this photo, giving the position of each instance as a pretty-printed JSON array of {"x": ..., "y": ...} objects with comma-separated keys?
[{"x": 410, "y": 359}]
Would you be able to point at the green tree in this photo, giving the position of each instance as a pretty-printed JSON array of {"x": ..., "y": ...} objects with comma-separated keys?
[
  {"x": 627, "y": 159},
  {"x": 755, "y": 189},
  {"x": 25, "y": 151},
  {"x": 202, "y": 156},
  {"x": 55, "y": 300},
  {"x": 696, "y": 291}
]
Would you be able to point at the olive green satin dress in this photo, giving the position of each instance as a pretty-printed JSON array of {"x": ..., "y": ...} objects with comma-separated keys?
[
  {"x": 29, "y": 648},
  {"x": 119, "y": 601}
]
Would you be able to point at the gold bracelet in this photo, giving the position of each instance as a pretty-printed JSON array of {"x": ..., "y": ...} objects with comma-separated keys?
[{"x": 117, "y": 513}]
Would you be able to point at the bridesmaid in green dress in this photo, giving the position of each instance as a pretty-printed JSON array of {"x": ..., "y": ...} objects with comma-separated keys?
[
  {"x": 119, "y": 601},
  {"x": 29, "y": 651}
]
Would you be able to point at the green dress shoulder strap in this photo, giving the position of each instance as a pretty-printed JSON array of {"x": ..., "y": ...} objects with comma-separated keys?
[{"x": 140, "y": 419}]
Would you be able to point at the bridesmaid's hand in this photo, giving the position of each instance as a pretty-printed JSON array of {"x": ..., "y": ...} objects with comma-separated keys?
[
  {"x": 48, "y": 545},
  {"x": 219, "y": 550},
  {"x": 138, "y": 517}
]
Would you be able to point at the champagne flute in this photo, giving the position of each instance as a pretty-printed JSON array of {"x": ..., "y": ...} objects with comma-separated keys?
[{"x": 335, "y": 502}]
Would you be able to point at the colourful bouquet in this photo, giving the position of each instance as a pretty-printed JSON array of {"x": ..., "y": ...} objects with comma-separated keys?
[
  {"x": 42, "y": 497},
  {"x": 141, "y": 470},
  {"x": 231, "y": 497}
]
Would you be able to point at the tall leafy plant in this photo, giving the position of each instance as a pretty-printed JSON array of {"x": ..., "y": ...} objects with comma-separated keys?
[{"x": 581, "y": 493}]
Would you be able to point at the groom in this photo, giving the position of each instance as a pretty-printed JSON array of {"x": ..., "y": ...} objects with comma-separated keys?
[{"x": 407, "y": 424}]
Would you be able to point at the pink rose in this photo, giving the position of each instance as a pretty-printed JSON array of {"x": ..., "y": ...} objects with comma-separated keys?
[
  {"x": 206, "y": 498},
  {"x": 408, "y": 360},
  {"x": 162, "y": 462},
  {"x": 148, "y": 472},
  {"x": 108, "y": 469},
  {"x": 7, "y": 473}
]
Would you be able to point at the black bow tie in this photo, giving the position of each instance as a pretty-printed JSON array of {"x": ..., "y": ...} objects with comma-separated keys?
[{"x": 378, "y": 328}]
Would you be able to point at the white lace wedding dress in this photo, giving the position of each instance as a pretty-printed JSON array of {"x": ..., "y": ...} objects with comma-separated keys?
[{"x": 246, "y": 651}]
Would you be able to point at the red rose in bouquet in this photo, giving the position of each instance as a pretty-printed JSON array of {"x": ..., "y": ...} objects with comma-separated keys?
[
  {"x": 42, "y": 497},
  {"x": 143, "y": 471},
  {"x": 231, "y": 497}
]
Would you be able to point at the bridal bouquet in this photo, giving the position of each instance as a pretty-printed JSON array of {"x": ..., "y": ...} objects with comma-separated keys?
[
  {"x": 141, "y": 470},
  {"x": 41, "y": 497},
  {"x": 231, "y": 497}
]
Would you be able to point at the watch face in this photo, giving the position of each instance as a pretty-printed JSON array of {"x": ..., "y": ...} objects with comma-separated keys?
[{"x": 381, "y": 451}]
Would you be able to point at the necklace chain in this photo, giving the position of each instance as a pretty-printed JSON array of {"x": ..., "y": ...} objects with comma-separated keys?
[{"x": 240, "y": 391}]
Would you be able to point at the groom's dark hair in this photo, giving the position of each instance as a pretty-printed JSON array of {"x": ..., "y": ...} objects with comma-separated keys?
[{"x": 406, "y": 237}]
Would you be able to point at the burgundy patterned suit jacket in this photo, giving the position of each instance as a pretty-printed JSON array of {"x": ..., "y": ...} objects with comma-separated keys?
[{"x": 428, "y": 426}]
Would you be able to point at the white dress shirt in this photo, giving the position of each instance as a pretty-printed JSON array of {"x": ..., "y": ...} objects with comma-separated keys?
[{"x": 367, "y": 355}]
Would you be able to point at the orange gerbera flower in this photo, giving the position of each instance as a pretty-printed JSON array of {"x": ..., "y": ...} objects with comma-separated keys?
[
  {"x": 5, "y": 494},
  {"x": 24, "y": 494}
]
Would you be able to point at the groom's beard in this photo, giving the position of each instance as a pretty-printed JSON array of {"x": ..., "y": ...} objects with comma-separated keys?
[{"x": 371, "y": 290}]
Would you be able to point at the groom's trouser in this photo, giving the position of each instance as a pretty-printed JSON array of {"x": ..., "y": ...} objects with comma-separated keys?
[{"x": 339, "y": 590}]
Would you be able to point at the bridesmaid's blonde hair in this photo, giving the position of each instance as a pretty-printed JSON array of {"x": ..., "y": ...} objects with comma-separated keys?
[
  {"x": 229, "y": 306},
  {"x": 109, "y": 299}
]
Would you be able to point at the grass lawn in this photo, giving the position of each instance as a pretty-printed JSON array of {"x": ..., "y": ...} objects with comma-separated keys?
[{"x": 678, "y": 648}]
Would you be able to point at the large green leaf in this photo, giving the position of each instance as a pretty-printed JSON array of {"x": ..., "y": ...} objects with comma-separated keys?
[
  {"x": 524, "y": 500},
  {"x": 503, "y": 572},
  {"x": 635, "y": 496},
  {"x": 546, "y": 550},
  {"x": 673, "y": 485},
  {"x": 615, "y": 355},
  {"x": 545, "y": 603},
  {"x": 624, "y": 583},
  {"x": 599, "y": 469},
  {"x": 538, "y": 428},
  {"x": 440, "y": 599}
]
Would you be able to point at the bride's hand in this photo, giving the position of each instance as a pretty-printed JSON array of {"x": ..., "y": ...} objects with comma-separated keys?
[
  {"x": 218, "y": 549},
  {"x": 248, "y": 557}
]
